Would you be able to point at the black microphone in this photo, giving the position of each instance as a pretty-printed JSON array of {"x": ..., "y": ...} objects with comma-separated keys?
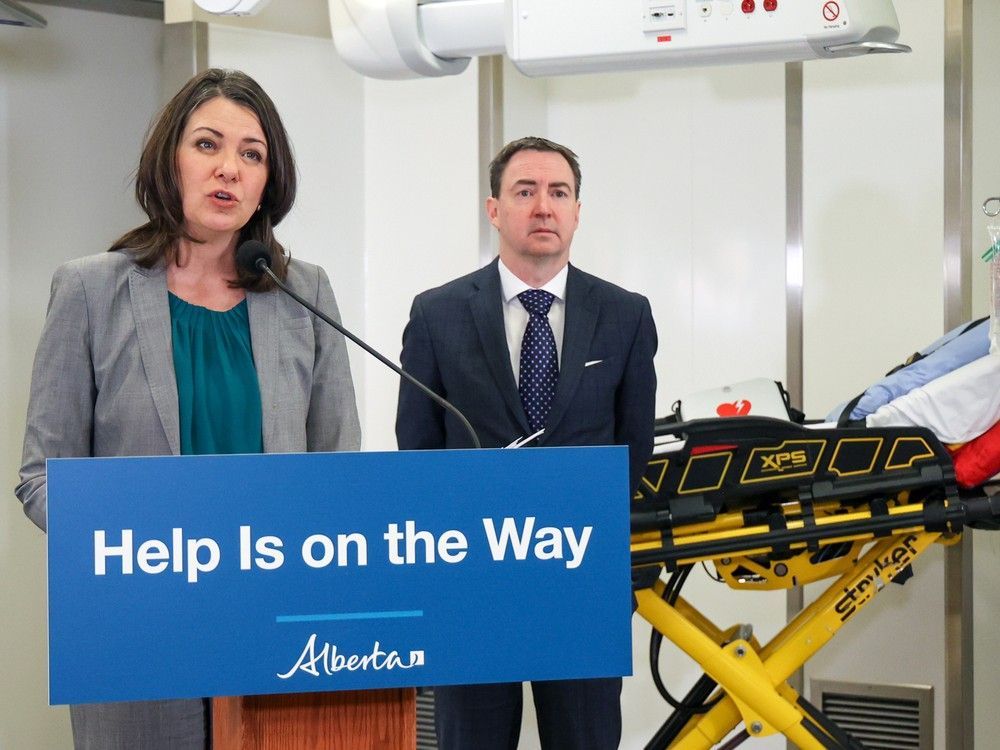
[{"x": 254, "y": 258}]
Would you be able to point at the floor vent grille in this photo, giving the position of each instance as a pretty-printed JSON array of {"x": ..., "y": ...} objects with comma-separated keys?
[
  {"x": 880, "y": 717},
  {"x": 426, "y": 739}
]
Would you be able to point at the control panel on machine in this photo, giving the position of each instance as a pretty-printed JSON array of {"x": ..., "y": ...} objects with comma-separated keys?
[
  {"x": 406, "y": 38},
  {"x": 661, "y": 33}
]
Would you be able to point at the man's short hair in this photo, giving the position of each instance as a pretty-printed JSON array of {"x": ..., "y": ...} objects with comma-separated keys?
[{"x": 531, "y": 143}]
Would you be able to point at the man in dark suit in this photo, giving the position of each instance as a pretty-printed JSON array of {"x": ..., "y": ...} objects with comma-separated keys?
[{"x": 531, "y": 346}]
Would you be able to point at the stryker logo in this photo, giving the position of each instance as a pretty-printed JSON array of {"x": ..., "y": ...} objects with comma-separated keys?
[
  {"x": 857, "y": 595},
  {"x": 784, "y": 461},
  {"x": 329, "y": 661}
]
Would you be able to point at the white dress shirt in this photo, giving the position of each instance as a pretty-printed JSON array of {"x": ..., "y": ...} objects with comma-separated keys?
[{"x": 515, "y": 317}]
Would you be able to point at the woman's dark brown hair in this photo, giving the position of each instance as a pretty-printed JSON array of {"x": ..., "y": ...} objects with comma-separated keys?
[{"x": 157, "y": 185}]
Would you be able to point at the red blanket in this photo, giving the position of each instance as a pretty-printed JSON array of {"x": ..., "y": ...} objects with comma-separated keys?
[{"x": 979, "y": 459}]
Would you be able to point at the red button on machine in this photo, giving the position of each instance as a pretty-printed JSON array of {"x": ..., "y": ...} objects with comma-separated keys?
[
  {"x": 749, "y": 6},
  {"x": 770, "y": 5}
]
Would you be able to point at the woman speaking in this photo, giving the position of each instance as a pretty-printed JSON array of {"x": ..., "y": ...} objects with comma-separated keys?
[{"x": 163, "y": 346}]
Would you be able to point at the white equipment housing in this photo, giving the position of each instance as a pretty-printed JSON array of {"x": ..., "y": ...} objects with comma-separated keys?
[
  {"x": 232, "y": 7},
  {"x": 413, "y": 38}
]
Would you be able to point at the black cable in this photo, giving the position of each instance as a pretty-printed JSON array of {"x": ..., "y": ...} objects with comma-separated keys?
[
  {"x": 738, "y": 739},
  {"x": 712, "y": 576},
  {"x": 671, "y": 591},
  {"x": 671, "y": 729},
  {"x": 264, "y": 268},
  {"x": 827, "y": 724}
]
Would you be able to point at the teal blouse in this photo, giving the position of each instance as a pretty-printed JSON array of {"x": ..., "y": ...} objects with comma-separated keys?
[{"x": 217, "y": 387}]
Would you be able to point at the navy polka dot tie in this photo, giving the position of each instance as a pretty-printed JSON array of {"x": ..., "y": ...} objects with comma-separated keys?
[{"x": 539, "y": 362}]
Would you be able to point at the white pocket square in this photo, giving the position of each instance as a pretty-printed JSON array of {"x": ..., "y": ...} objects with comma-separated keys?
[{"x": 593, "y": 362}]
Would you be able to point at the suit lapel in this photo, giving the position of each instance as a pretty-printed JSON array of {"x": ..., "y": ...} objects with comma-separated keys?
[
  {"x": 578, "y": 332},
  {"x": 263, "y": 314},
  {"x": 148, "y": 293},
  {"x": 486, "y": 305}
]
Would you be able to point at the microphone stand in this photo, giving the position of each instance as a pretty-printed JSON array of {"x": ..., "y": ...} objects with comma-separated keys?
[{"x": 262, "y": 265}]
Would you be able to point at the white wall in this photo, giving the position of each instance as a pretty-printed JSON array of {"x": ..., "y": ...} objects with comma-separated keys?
[
  {"x": 873, "y": 187},
  {"x": 321, "y": 104},
  {"x": 57, "y": 87},
  {"x": 873, "y": 174},
  {"x": 673, "y": 207},
  {"x": 421, "y": 214},
  {"x": 705, "y": 243},
  {"x": 683, "y": 201},
  {"x": 65, "y": 166}
]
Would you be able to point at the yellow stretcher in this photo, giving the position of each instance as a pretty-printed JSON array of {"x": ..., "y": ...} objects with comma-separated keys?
[{"x": 772, "y": 505}]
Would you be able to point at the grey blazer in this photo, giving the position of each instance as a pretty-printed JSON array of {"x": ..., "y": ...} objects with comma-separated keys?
[{"x": 103, "y": 381}]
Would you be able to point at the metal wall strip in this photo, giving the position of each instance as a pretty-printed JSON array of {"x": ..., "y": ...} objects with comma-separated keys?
[
  {"x": 794, "y": 271},
  {"x": 490, "y": 142},
  {"x": 958, "y": 636},
  {"x": 185, "y": 54},
  {"x": 794, "y": 279}
]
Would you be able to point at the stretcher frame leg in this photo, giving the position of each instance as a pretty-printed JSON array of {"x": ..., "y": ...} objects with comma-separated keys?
[{"x": 754, "y": 679}]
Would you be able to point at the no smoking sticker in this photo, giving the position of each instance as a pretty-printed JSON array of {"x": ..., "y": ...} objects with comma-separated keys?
[{"x": 831, "y": 11}]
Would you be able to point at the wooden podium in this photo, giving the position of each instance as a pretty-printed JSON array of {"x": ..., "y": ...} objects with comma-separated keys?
[{"x": 347, "y": 720}]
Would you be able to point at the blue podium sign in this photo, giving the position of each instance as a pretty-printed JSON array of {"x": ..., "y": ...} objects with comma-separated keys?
[{"x": 173, "y": 577}]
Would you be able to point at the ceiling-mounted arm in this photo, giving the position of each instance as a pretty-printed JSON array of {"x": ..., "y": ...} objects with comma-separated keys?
[
  {"x": 857, "y": 49},
  {"x": 463, "y": 28},
  {"x": 412, "y": 38},
  {"x": 12, "y": 13},
  {"x": 385, "y": 39}
]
